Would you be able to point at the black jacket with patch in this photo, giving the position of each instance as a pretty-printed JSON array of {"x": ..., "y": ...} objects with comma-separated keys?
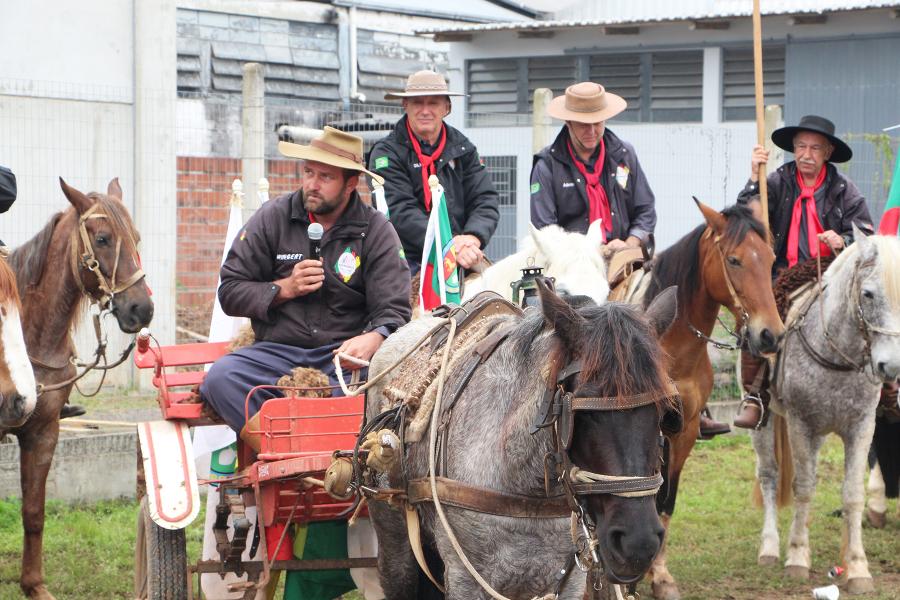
[
  {"x": 366, "y": 278},
  {"x": 472, "y": 201}
]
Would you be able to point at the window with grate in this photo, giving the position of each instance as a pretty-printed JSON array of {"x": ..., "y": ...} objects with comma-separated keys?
[
  {"x": 553, "y": 72},
  {"x": 738, "y": 95},
  {"x": 621, "y": 75},
  {"x": 492, "y": 85},
  {"x": 676, "y": 86}
]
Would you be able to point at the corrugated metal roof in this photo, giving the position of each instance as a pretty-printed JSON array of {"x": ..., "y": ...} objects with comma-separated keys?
[
  {"x": 478, "y": 11},
  {"x": 593, "y": 14}
]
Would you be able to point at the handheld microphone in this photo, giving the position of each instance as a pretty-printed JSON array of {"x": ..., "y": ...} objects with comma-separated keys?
[{"x": 315, "y": 233}]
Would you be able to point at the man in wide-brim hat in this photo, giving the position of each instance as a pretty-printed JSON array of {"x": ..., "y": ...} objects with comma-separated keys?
[
  {"x": 305, "y": 310},
  {"x": 589, "y": 173},
  {"x": 421, "y": 145},
  {"x": 812, "y": 210}
]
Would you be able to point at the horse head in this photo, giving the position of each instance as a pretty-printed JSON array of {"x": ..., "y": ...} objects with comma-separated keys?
[
  {"x": 104, "y": 256},
  {"x": 737, "y": 264},
  {"x": 874, "y": 297},
  {"x": 616, "y": 398},
  {"x": 572, "y": 259},
  {"x": 18, "y": 392}
]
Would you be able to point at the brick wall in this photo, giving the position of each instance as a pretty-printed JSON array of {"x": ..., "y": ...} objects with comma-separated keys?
[{"x": 204, "y": 191}]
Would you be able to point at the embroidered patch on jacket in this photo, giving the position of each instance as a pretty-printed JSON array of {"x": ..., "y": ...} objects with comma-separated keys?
[
  {"x": 381, "y": 162},
  {"x": 402, "y": 253},
  {"x": 535, "y": 187},
  {"x": 622, "y": 176},
  {"x": 347, "y": 264},
  {"x": 243, "y": 235}
]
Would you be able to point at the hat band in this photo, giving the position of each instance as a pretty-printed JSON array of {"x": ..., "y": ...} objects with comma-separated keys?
[
  {"x": 335, "y": 150},
  {"x": 426, "y": 88},
  {"x": 588, "y": 109}
]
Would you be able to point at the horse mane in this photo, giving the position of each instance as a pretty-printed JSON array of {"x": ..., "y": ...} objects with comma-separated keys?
[
  {"x": 8, "y": 288},
  {"x": 679, "y": 264}
]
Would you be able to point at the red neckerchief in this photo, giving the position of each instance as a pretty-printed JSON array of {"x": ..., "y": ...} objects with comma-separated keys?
[
  {"x": 427, "y": 162},
  {"x": 813, "y": 224},
  {"x": 312, "y": 219},
  {"x": 598, "y": 203}
]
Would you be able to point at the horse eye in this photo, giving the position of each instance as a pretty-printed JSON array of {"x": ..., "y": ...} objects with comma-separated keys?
[
  {"x": 867, "y": 294},
  {"x": 734, "y": 261},
  {"x": 102, "y": 240}
]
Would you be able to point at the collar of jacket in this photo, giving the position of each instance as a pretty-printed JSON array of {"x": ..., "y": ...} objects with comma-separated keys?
[
  {"x": 614, "y": 147},
  {"x": 788, "y": 174},
  {"x": 457, "y": 144},
  {"x": 354, "y": 213}
]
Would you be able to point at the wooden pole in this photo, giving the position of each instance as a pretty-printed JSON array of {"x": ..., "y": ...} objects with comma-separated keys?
[{"x": 760, "y": 117}]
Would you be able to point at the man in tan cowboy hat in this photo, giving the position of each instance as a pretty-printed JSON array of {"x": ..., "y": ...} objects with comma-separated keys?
[
  {"x": 812, "y": 210},
  {"x": 305, "y": 310},
  {"x": 422, "y": 145},
  {"x": 588, "y": 173}
]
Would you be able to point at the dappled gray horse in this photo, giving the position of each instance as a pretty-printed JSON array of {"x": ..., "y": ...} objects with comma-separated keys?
[
  {"x": 490, "y": 444},
  {"x": 832, "y": 365}
]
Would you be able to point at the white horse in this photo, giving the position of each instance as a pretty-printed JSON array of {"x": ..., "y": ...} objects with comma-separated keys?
[
  {"x": 830, "y": 383},
  {"x": 574, "y": 260}
]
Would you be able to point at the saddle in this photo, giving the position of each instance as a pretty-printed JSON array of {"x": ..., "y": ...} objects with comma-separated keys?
[{"x": 626, "y": 272}]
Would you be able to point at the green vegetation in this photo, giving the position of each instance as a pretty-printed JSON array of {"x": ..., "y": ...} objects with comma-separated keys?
[{"x": 712, "y": 550}]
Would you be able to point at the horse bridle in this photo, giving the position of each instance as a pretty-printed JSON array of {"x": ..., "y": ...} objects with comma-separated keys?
[
  {"x": 88, "y": 260},
  {"x": 558, "y": 408}
]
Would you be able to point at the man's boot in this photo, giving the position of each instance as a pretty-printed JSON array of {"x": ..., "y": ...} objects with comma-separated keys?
[
  {"x": 709, "y": 427},
  {"x": 755, "y": 403}
]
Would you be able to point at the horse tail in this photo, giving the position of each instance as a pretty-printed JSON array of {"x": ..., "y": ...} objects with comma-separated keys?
[
  {"x": 887, "y": 448},
  {"x": 784, "y": 494}
]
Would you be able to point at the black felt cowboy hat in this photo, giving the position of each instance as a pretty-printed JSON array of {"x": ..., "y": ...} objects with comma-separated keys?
[{"x": 784, "y": 137}]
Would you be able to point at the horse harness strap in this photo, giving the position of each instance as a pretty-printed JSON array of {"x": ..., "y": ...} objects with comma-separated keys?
[{"x": 487, "y": 501}]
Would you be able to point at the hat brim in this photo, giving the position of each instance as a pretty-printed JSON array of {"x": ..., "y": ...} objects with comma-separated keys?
[
  {"x": 314, "y": 154},
  {"x": 614, "y": 105},
  {"x": 784, "y": 139},
  {"x": 401, "y": 95}
]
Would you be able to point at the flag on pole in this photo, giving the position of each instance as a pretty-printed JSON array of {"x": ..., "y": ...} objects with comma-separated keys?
[
  {"x": 438, "y": 279},
  {"x": 262, "y": 192},
  {"x": 890, "y": 220},
  {"x": 380, "y": 202},
  {"x": 222, "y": 327}
]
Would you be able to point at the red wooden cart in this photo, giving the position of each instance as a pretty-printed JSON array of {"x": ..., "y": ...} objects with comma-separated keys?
[{"x": 299, "y": 439}]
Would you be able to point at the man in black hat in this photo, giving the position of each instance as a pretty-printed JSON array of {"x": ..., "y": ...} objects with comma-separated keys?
[{"x": 812, "y": 210}]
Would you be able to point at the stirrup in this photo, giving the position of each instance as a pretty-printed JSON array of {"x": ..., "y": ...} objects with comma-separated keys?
[{"x": 749, "y": 398}]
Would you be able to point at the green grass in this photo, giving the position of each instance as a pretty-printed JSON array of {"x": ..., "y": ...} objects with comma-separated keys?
[{"x": 712, "y": 549}]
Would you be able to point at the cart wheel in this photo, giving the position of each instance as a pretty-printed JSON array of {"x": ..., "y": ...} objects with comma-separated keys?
[{"x": 160, "y": 571}]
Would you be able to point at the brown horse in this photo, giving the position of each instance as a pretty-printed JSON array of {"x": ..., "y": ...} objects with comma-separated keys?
[
  {"x": 18, "y": 393},
  {"x": 726, "y": 262},
  {"x": 86, "y": 253}
]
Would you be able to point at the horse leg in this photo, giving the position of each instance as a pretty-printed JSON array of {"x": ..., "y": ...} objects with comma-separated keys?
[
  {"x": 767, "y": 476},
  {"x": 876, "y": 514},
  {"x": 397, "y": 568},
  {"x": 856, "y": 446},
  {"x": 805, "y": 447},
  {"x": 37, "y": 448}
]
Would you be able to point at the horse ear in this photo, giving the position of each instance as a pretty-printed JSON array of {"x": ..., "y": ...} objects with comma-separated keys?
[
  {"x": 865, "y": 244},
  {"x": 662, "y": 311},
  {"x": 76, "y": 198},
  {"x": 114, "y": 189},
  {"x": 595, "y": 234},
  {"x": 714, "y": 218},
  {"x": 566, "y": 322}
]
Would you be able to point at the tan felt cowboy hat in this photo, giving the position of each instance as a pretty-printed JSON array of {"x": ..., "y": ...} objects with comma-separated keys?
[
  {"x": 423, "y": 83},
  {"x": 334, "y": 147},
  {"x": 586, "y": 102}
]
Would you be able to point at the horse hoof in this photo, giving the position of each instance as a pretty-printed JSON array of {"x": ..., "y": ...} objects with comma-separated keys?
[
  {"x": 40, "y": 593},
  {"x": 796, "y": 572},
  {"x": 767, "y": 561},
  {"x": 860, "y": 585},
  {"x": 876, "y": 519},
  {"x": 666, "y": 590}
]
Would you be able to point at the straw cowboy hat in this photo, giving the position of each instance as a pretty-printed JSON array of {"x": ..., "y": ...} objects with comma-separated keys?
[
  {"x": 586, "y": 102},
  {"x": 423, "y": 83},
  {"x": 784, "y": 137},
  {"x": 334, "y": 147}
]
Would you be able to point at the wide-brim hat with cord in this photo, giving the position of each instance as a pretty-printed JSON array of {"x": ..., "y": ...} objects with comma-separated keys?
[
  {"x": 423, "y": 83},
  {"x": 586, "y": 102},
  {"x": 784, "y": 137},
  {"x": 333, "y": 147}
]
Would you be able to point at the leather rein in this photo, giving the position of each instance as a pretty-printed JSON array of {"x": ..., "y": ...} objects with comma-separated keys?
[{"x": 108, "y": 288}]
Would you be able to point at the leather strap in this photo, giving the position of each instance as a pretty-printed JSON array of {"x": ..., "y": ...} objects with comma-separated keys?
[
  {"x": 629, "y": 485},
  {"x": 487, "y": 501},
  {"x": 415, "y": 542},
  {"x": 485, "y": 304}
]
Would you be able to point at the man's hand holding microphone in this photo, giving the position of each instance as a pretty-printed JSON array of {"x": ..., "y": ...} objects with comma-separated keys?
[{"x": 308, "y": 275}]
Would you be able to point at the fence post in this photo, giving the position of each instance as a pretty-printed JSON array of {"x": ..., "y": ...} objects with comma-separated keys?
[
  {"x": 541, "y": 132},
  {"x": 253, "y": 124},
  {"x": 773, "y": 120}
]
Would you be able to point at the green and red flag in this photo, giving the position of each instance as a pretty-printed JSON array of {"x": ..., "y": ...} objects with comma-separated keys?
[
  {"x": 890, "y": 220},
  {"x": 438, "y": 279}
]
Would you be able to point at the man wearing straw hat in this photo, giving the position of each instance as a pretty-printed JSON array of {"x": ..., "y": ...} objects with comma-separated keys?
[
  {"x": 588, "y": 173},
  {"x": 304, "y": 311},
  {"x": 812, "y": 210},
  {"x": 422, "y": 145}
]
